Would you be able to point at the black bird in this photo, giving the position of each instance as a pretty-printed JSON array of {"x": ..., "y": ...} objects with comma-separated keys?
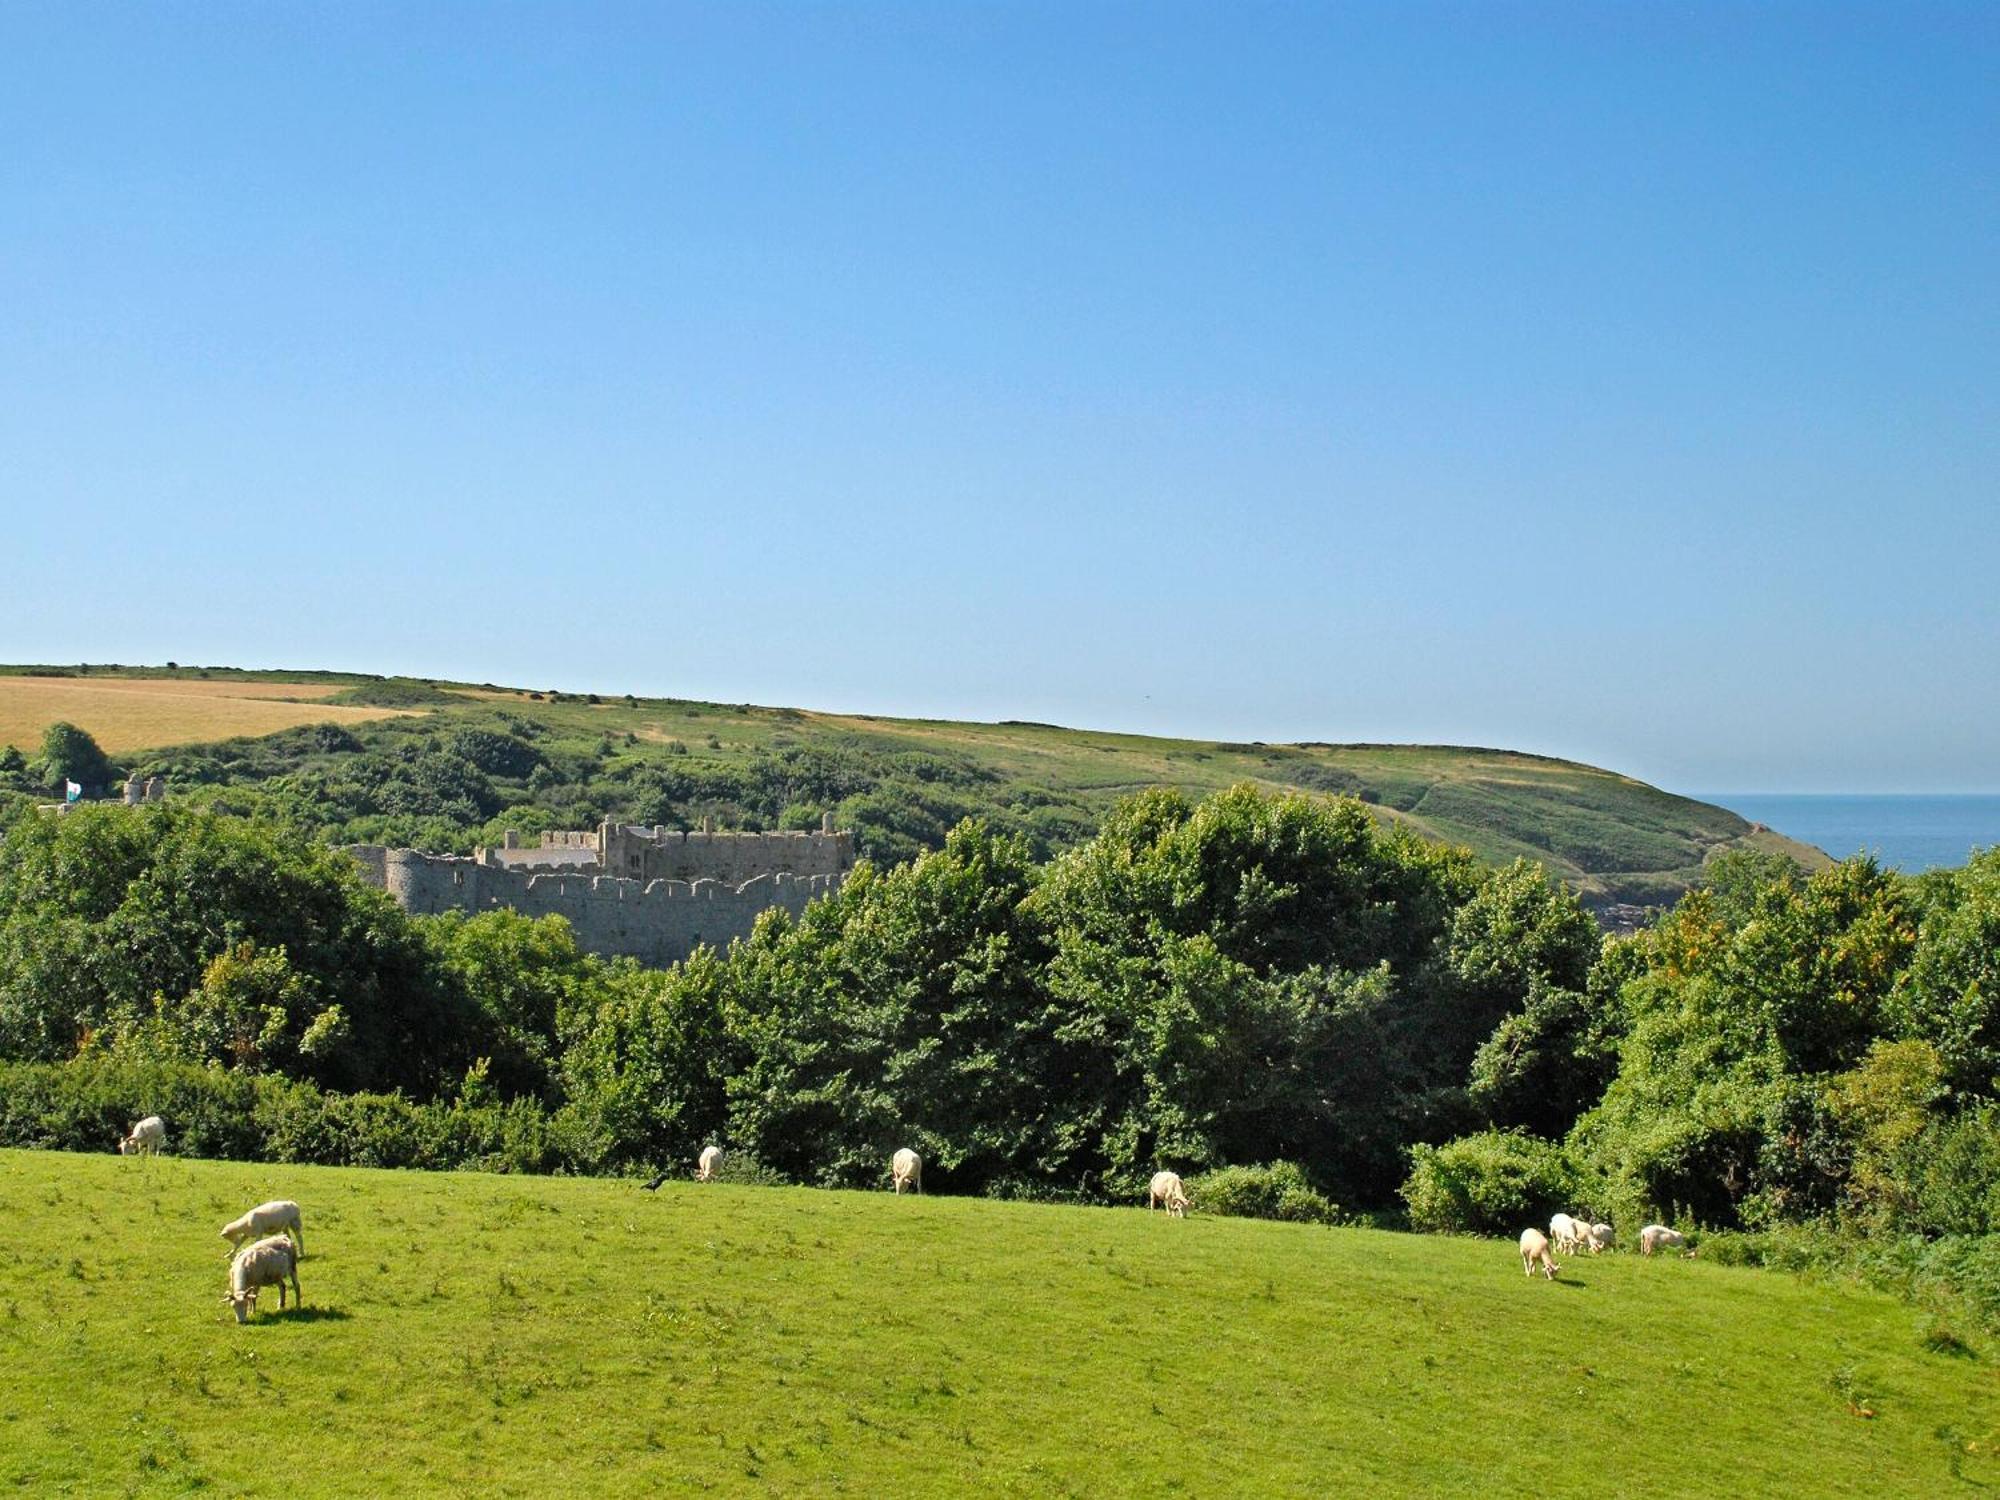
[{"x": 653, "y": 1186}]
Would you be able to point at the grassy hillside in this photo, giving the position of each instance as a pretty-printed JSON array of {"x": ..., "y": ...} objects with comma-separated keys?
[
  {"x": 901, "y": 782},
  {"x": 479, "y": 1334}
]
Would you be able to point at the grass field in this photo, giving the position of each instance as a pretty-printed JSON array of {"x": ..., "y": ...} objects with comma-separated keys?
[
  {"x": 477, "y": 1334},
  {"x": 125, "y": 714}
]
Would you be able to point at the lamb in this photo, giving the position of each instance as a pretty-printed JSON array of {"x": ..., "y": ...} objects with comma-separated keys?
[
  {"x": 145, "y": 1138},
  {"x": 1566, "y": 1232},
  {"x": 267, "y": 1219},
  {"x": 711, "y": 1163},
  {"x": 908, "y": 1169},
  {"x": 267, "y": 1263},
  {"x": 1600, "y": 1237},
  {"x": 1659, "y": 1237},
  {"x": 1167, "y": 1191},
  {"x": 1534, "y": 1252}
]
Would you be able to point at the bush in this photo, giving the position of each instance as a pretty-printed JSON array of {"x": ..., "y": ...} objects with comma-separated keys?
[
  {"x": 1957, "y": 1176},
  {"x": 87, "y": 1105},
  {"x": 495, "y": 754},
  {"x": 396, "y": 692},
  {"x": 743, "y": 1169},
  {"x": 1279, "y": 1191},
  {"x": 1496, "y": 1182}
]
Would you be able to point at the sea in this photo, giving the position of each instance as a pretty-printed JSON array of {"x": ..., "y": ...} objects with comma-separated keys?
[{"x": 1910, "y": 832}]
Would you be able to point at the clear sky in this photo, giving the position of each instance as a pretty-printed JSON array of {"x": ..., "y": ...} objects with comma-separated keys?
[{"x": 1611, "y": 381}]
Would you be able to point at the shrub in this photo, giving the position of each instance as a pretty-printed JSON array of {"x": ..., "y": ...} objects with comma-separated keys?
[
  {"x": 743, "y": 1169},
  {"x": 395, "y": 692},
  {"x": 1279, "y": 1191},
  {"x": 86, "y": 1105},
  {"x": 1491, "y": 1183},
  {"x": 495, "y": 754},
  {"x": 1957, "y": 1172},
  {"x": 1021, "y": 1188}
]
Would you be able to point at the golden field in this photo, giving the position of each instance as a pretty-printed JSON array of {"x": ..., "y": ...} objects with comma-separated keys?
[{"x": 140, "y": 713}]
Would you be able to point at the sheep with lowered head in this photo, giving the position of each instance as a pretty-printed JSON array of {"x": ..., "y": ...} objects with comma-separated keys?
[
  {"x": 145, "y": 1138},
  {"x": 907, "y": 1168},
  {"x": 269, "y": 1262},
  {"x": 710, "y": 1164},
  {"x": 1659, "y": 1237},
  {"x": 1535, "y": 1252},
  {"x": 1167, "y": 1191},
  {"x": 267, "y": 1219}
]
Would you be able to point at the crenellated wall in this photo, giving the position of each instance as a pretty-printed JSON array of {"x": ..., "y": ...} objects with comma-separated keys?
[
  {"x": 656, "y": 921},
  {"x": 670, "y": 854}
]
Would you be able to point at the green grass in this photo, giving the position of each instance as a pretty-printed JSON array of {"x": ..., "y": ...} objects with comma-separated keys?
[{"x": 507, "y": 1336}]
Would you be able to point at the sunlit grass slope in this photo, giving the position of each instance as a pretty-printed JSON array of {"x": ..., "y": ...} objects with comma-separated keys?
[{"x": 468, "y": 1334}]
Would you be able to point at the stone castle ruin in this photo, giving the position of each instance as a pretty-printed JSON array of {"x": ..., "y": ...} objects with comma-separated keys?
[{"x": 625, "y": 889}]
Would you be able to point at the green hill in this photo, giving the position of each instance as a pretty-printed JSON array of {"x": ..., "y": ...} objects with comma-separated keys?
[
  {"x": 459, "y": 761},
  {"x": 468, "y": 1334}
]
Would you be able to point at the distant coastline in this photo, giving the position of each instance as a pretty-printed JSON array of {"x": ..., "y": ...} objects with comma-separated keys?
[{"x": 1910, "y": 832}]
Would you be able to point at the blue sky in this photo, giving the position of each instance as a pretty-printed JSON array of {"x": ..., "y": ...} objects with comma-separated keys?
[{"x": 1615, "y": 382}]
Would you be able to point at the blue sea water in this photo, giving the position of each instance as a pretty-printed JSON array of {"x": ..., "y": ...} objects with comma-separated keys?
[{"x": 1905, "y": 832}]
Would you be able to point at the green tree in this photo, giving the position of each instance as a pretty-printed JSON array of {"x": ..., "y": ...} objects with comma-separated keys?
[
  {"x": 646, "y": 1058},
  {"x": 520, "y": 972},
  {"x": 70, "y": 754},
  {"x": 252, "y": 1011},
  {"x": 105, "y": 908},
  {"x": 1950, "y": 994},
  {"x": 904, "y": 1010}
]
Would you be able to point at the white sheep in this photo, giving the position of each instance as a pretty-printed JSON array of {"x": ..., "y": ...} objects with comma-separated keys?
[
  {"x": 1167, "y": 1191},
  {"x": 908, "y": 1170},
  {"x": 1566, "y": 1232},
  {"x": 267, "y": 1263},
  {"x": 1659, "y": 1237},
  {"x": 1600, "y": 1237},
  {"x": 267, "y": 1219},
  {"x": 1534, "y": 1252},
  {"x": 145, "y": 1138},
  {"x": 711, "y": 1163}
]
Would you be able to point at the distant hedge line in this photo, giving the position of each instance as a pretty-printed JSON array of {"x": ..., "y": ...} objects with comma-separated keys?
[{"x": 87, "y": 1105}]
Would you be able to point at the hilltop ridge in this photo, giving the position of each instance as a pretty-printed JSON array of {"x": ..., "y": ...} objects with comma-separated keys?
[{"x": 444, "y": 765}]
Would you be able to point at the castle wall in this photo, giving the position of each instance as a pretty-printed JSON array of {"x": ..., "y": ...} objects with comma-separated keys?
[
  {"x": 669, "y": 854},
  {"x": 657, "y": 921}
]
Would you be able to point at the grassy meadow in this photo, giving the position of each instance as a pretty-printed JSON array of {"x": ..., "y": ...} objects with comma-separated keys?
[{"x": 532, "y": 1336}]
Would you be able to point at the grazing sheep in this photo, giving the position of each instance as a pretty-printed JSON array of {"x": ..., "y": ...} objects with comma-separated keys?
[
  {"x": 267, "y": 1219},
  {"x": 267, "y": 1263},
  {"x": 1599, "y": 1237},
  {"x": 908, "y": 1169},
  {"x": 1659, "y": 1237},
  {"x": 711, "y": 1163},
  {"x": 145, "y": 1138},
  {"x": 1167, "y": 1191},
  {"x": 1566, "y": 1232},
  {"x": 1534, "y": 1252}
]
